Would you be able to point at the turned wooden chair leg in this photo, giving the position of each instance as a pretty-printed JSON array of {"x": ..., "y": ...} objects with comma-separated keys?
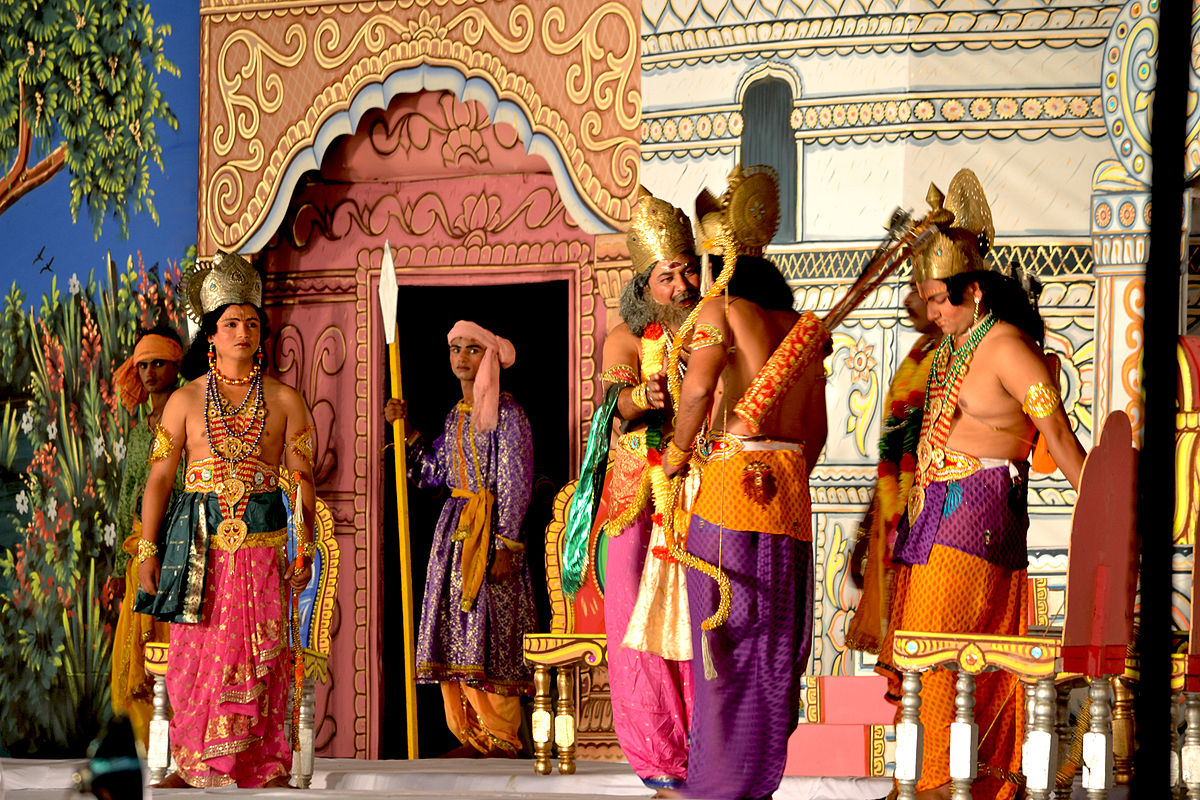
[
  {"x": 909, "y": 738},
  {"x": 542, "y": 720},
  {"x": 964, "y": 738},
  {"x": 1097, "y": 742},
  {"x": 564, "y": 721},
  {"x": 1040, "y": 752},
  {"x": 1123, "y": 731},
  {"x": 1191, "y": 745},
  {"x": 158, "y": 754}
]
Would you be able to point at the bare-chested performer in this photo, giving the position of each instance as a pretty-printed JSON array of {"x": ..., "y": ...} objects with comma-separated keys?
[
  {"x": 752, "y": 513},
  {"x": 961, "y": 548},
  {"x": 223, "y": 577}
]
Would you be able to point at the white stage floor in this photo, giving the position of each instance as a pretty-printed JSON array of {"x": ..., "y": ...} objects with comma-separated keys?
[
  {"x": 435, "y": 779},
  {"x": 443, "y": 779}
]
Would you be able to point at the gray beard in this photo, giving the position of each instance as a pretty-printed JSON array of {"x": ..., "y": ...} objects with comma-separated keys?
[{"x": 669, "y": 315}]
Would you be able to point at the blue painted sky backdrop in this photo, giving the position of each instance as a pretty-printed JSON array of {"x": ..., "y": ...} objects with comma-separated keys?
[{"x": 42, "y": 218}]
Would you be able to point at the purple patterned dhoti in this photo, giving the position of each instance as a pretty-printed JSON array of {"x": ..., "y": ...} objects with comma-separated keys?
[
  {"x": 744, "y": 715},
  {"x": 651, "y": 695}
]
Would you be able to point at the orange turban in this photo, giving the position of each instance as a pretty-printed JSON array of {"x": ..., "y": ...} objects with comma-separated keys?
[{"x": 151, "y": 347}]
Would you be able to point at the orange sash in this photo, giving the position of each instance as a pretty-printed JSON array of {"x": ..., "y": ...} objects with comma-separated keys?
[{"x": 803, "y": 343}]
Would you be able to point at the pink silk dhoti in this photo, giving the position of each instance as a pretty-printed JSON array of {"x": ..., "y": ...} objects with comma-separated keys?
[{"x": 229, "y": 674}]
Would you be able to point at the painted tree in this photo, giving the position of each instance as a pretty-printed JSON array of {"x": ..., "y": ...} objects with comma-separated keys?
[{"x": 79, "y": 89}]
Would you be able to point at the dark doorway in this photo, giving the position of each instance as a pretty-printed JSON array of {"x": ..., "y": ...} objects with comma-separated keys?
[{"x": 534, "y": 317}]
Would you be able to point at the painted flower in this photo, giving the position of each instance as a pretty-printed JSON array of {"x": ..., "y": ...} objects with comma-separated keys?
[
  {"x": 98, "y": 447},
  {"x": 1079, "y": 107},
  {"x": 981, "y": 108},
  {"x": 1006, "y": 108},
  {"x": 670, "y": 129},
  {"x": 686, "y": 128},
  {"x": 904, "y": 111},
  {"x": 953, "y": 109},
  {"x": 891, "y": 111},
  {"x": 1055, "y": 107},
  {"x": 1031, "y": 108},
  {"x": 839, "y": 115},
  {"x": 924, "y": 111},
  {"x": 464, "y": 143},
  {"x": 110, "y": 534},
  {"x": 720, "y": 125},
  {"x": 1127, "y": 214},
  {"x": 735, "y": 123},
  {"x": 852, "y": 115},
  {"x": 1103, "y": 215},
  {"x": 26, "y": 423},
  {"x": 877, "y": 113},
  {"x": 704, "y": 126},
  {"x": 796, "y": 120},
  {"x": 825, "y": 116},
  {"x": 656, "y": 130},
  {"x": 74, "y": 285},
  {"x": 811, "y": 115},
  {"x": 22, "y": 503},
  {"x": 860, "y": 363},
  {"x": 52, "y": 512},
  {"x": 52, "y": 431},
  {"x": 119, "y": 449}
]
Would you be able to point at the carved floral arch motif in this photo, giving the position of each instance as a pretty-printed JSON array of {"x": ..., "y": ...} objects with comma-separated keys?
[
  {"x": 568, "y": 82},
  {"x": 424, "y": 78}
]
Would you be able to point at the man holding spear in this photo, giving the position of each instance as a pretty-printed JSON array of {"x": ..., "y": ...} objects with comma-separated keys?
[{"x": 478, "y": 602}]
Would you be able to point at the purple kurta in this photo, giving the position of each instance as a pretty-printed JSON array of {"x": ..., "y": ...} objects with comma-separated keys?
[
  {"x": 482, "y": 647},
  {"x": 744, "y": 716},
  {"x": 651, "y": 696}
]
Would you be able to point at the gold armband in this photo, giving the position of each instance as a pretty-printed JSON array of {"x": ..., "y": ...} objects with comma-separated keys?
[
  {"x": 707, "y": 335},
  {"x": 302, "y": 445},
  {"x": 162, "y": 446},
  {"x": 620, "y": 373},
  {"x": 1041, "y": 400},
  {"x": 676, "y": 455},
  {"x": 146, "y": 549},
  {"x": 639, "y": 397}
]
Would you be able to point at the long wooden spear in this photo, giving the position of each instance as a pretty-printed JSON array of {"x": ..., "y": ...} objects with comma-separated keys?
[{"x": 387, "y": 303}]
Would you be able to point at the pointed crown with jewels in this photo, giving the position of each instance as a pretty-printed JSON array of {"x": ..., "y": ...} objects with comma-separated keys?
[
  {"x": 965, "y": 238},
  {"x": 229, "y": 279},
  {"x": 658, "y": 231}
]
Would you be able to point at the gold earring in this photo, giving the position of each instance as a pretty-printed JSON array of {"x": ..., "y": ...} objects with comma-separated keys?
[{"x": 975, "y": 318}]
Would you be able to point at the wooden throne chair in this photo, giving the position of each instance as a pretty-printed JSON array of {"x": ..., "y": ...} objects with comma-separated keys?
[
  {"x": 580, "y": 723},
  {"x": 316, "y": 615},
  {"x": 1097, "y": 632}
]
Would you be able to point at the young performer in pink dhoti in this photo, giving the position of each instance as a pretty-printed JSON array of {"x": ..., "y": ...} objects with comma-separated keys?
[
  {"x": 649, "y": 656},
  {"x": 224, "y": 577}
]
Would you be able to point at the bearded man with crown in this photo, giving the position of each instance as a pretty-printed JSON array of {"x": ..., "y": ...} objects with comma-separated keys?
[
  {"x": 216, "y": 566},
  {"x": 750, "y": 424},
  {"x": 649, "y": 654},
  {"x": 961, "y": 546}
]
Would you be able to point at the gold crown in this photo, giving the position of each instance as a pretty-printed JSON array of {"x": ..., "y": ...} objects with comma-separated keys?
[
  {"x": 658, "y": 231},
  {"x": 746, "y": 216},
  {"x": 230, "y": 279},
  {"x": 959, "y": 247}
]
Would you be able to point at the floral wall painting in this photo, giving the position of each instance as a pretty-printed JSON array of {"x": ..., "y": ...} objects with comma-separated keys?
[{"x": 98, "y": 104}]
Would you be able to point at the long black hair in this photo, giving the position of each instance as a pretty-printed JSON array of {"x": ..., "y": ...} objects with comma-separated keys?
[
  {"x": 758, "y": 280},
  {"x": 1004, "y": 297},
  {"x": 195, "y": 361}
]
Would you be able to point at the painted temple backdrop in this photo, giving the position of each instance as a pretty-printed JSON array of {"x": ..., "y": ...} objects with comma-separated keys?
[{"x": 497, "y": 147}]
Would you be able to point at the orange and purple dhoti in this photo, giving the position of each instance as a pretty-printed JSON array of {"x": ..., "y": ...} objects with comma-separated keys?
[{"x": 962, "y": 570}]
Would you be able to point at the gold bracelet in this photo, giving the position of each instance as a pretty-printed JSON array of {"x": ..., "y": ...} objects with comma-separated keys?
[
  {"x": 146, "y": 549},
  {"x": 307, "y": 549},
  {"x": 676, "y": 455},
  {"x": 639, "y": 397},
  {"x": 1041, "y": 400}
]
